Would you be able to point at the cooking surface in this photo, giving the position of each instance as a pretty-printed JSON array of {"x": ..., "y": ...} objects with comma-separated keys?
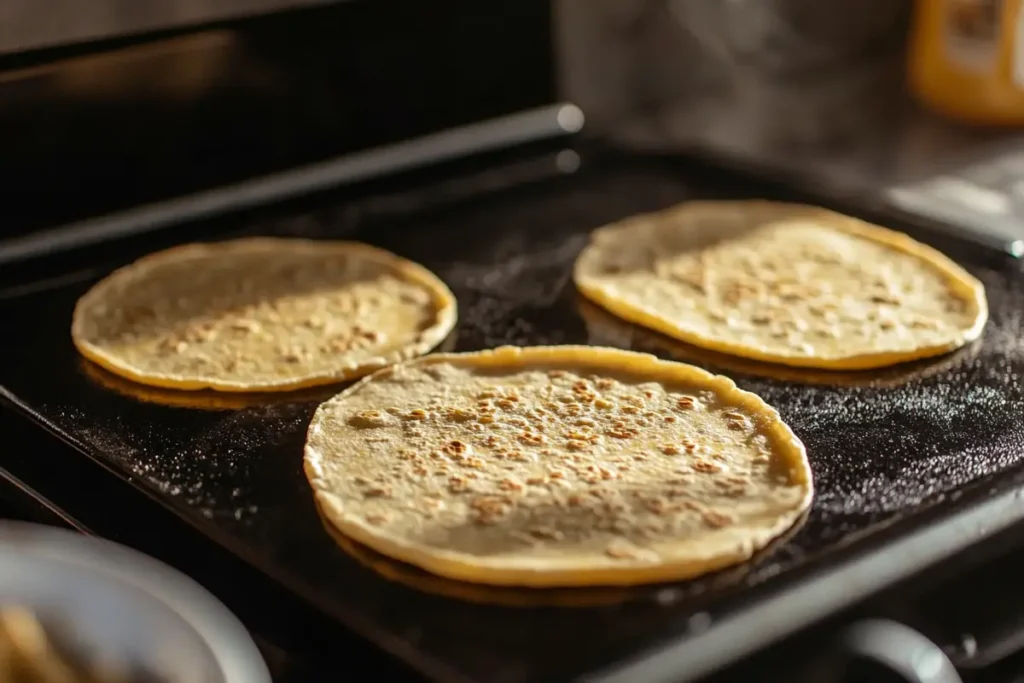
[{"x": 882, "y": 451}]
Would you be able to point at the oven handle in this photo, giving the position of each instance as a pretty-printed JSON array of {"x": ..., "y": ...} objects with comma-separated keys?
[
  {"x": 896, "y": 649},
  {"x": 535, "y": 125}
]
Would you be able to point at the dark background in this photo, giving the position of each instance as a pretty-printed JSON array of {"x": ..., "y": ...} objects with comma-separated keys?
[{"x": 91, "y": 129}]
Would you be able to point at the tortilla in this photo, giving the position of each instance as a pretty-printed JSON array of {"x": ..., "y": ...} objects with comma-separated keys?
[
  {"x": 210, "y": 401},
  {"x": 504, "y": 596},
  {"x": 556, "y": 466},
  {"x": 605, "y": 329},
  {"x": 783, "y": 283},
  {"x": 525, "y": 597},
  {"x": 261, "y": 314}
]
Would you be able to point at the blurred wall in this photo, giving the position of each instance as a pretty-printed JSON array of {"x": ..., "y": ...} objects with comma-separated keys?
[{"x": 625, "y": 59}]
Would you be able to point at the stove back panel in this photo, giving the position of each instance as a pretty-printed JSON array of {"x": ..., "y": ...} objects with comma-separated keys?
[{"x": 97, "y": 128}]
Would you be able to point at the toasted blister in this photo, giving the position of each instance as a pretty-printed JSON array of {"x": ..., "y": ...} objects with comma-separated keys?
[
  {"x": 556, "y": 466},
  {"x": 783, "y": 283},
  {"x": 261, "y": 314}
]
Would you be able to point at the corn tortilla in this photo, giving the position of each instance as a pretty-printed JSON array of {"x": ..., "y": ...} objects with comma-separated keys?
[
  {"x": 783, "y": 283},
  {"x": 261, "y": 314},
  {"x": 556, "y": 466}
]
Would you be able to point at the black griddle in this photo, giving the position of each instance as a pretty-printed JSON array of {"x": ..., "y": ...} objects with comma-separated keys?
[{"x": 897, "y": 455}]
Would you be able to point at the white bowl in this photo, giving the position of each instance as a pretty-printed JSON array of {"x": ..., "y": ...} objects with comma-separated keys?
[{"x": 123, "y": 606}]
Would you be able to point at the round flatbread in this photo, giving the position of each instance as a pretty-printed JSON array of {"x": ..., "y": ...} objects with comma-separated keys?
[
  {"x": 206, "y": 400},
  {"x": 556, "y": 466},
  {"x": 261, "y": 314},
  {"x": 783, "y": 283},
  {"x": 605, "y": 329},
  {"x": 504, "y": 596}
]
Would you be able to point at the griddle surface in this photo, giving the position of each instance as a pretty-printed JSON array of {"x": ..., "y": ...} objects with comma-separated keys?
[{"x": 897, "y": 446}]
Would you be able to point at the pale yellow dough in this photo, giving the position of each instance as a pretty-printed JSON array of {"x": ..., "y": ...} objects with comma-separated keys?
[
  {"x": 783, "y": 283},
  {"x": 261, "y": 314},
  {"x": 556, "y": 466}
]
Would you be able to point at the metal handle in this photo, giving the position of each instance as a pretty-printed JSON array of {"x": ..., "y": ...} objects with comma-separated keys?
[
  {"x": 535, "y": 125},
  {"x": 899, "y": 651}
]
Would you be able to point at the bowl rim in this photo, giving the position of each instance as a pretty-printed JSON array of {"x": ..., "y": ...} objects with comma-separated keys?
[{"x": 232, "y": 647}]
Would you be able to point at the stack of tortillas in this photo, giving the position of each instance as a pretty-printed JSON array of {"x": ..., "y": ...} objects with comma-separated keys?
[
  {"x": 783, "y": 283},
  {"x": 261, "y": 314}
]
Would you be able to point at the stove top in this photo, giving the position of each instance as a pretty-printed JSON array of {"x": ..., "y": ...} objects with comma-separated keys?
[{"x": 911, "y": 464}]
